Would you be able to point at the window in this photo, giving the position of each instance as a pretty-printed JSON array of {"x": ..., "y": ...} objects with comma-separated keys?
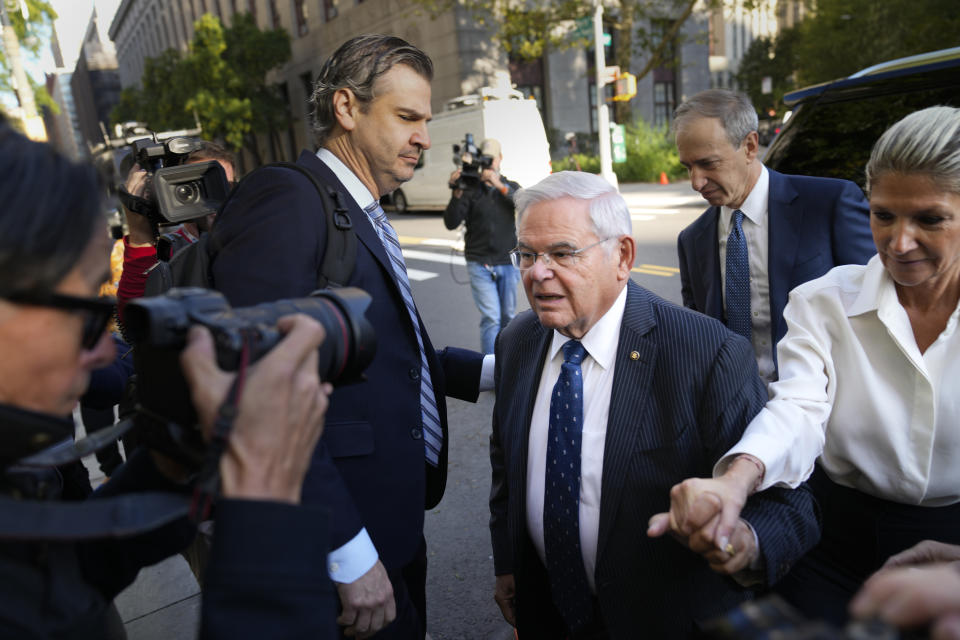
[
  {"x": 307, "y": 80},
  {"x": 300, "y": 13},
  {"x": 252, "y": 8},
  {"x": 329, "y": 10},
  {"x": 274, "y": 15},
  {"x": 665, "y": 79}
]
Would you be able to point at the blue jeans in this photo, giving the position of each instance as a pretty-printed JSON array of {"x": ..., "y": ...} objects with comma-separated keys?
[{"x": 495, "y": 293}]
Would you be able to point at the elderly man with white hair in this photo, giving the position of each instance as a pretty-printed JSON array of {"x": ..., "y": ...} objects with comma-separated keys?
[{"x": 606, "y": 396}]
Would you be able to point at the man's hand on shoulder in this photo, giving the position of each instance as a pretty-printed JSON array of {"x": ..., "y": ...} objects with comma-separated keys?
[{"x": 367, "y": 603}]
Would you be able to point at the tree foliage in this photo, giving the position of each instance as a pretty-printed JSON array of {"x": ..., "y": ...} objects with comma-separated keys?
[
  {"x": 844, "y": 36},
  {"x": 33, "y": 33},
  {"x": 222, "y": 80},
  {"x": 772, "y": 58}
]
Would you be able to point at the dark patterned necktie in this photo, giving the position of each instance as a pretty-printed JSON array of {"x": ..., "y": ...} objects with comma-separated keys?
[
  {"x": 561, "y": 499},
  {"x": 738, "y": 279},
  {"x": 432, "y": 433}
]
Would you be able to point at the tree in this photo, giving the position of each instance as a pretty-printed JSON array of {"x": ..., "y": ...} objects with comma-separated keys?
[
  {"x": 845, "y": 36},
  {"x": 645, "y": 28},
  {"x": 222, "y": 80},
  {"x": 772, "y": 58},
  {"x": 30, "y": 20}
]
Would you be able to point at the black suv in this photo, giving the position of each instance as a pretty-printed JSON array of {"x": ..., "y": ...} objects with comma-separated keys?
[{"x": 834, "y": 125}]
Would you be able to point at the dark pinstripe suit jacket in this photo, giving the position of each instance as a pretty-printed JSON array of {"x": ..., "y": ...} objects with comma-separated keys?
[{"x": 674, "y": 410}]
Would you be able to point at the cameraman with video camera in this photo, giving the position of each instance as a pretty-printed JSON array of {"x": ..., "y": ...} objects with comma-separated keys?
[
  {"x": 141, "y": 244},
  {"x": 63, "y": 562},
  {"x": 483, "y": 199}
]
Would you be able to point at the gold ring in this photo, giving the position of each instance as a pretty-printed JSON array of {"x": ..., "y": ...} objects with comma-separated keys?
[{"x": 729, "y": 549}]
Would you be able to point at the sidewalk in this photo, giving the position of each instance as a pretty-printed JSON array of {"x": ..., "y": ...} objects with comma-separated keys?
[{"x": 164, "y": 601}]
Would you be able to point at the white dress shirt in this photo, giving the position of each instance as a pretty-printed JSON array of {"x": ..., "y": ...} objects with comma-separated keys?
[
  {"x": 756, "y": 233},
  {"x": 601, "y": 343},
  {"x": 855, "y": 390},
  {"x": 349, "y": 562}
]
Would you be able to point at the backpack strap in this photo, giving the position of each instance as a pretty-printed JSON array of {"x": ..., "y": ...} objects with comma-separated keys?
[{"x": 340, "y": 253}]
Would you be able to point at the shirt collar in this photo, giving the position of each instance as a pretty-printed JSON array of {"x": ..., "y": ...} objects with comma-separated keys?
[
  {"x": 876, "y": 290},
  {"x": 357, "y": 190},
  {"x": 602, "y": 339},
  {"x": 755, "y": 206}
]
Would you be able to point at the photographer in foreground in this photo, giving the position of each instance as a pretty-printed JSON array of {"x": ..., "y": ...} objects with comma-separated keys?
[
  {"x": 60, "y": 579},
  {"x": 485, "y": 203}
]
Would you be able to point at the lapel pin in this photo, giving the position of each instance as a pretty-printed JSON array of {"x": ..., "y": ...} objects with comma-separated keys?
[{"x": 634, "y": 355}]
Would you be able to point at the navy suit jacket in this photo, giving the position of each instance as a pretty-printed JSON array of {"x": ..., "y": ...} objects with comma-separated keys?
[
  {"x": 369, "y": 469},
  {"x": 815, "y": 224},
  {"x": 684, "y": 389}
]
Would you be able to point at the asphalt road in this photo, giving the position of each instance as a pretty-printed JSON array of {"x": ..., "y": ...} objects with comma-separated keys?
[{"x": 460, "y": 578}]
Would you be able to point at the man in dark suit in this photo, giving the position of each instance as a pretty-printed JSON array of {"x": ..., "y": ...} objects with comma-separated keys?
[
  {"x": 607, "y": 396},
  {"x": 384, "y": 451},
  {"x": 765, "y": 232}
]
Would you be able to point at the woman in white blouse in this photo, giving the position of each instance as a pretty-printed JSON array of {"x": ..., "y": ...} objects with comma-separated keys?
[{"x": 869, "y": 384}]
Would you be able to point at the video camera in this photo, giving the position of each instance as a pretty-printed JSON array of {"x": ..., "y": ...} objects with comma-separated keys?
[
  {"x": 472, "y": 162},
  {"x": 771, "y": 618},
  {"x": 157, "y": 327},
  {"x": 176, "y": 192}
]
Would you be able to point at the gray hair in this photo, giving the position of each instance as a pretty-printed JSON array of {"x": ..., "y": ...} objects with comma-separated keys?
[
  {"x": 925, "y": 142},
  {"x": 608, "y": 210},
  {"x": 732, "y": 108},
  {"x": 357, "y": 65}
]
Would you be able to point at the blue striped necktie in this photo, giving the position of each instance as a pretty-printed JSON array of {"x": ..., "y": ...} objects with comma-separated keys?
[
  {"x": 432, "y": 432},
  {"x": 561, "y": 496},
  {"x": 737, "y": 292}
]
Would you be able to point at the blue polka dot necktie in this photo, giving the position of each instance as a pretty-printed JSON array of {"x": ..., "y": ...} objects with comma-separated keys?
[
  {"x": 737, "y": 294},
  {"x": 432, "y": 432},
  {"x": 561, "y": 499}
]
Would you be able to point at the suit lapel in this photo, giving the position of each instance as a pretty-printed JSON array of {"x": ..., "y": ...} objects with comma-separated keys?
[
  {"x": 633, "y": 373},
  {"x": 708, "y": 261},
  {"x": 785, "y": 216},
  {"x": 530, "y": 353}
]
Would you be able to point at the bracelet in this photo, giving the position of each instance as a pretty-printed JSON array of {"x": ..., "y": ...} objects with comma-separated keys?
[{"x": 759, "y": 467}]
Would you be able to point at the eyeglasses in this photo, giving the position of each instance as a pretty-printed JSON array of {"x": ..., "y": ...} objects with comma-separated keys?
[
  {"x": 97, "y": 312},
  {"x": 559, "y": 258}
]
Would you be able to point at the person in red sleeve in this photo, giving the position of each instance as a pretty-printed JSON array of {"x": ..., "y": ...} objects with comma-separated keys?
[{"x": 140, "y": 244}]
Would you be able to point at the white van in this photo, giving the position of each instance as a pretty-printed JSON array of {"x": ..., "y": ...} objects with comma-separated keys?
[{"x": 501, "y": 114}]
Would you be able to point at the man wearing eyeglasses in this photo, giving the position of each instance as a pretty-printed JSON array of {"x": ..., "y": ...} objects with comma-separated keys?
[{"x": 606, "y": 396}]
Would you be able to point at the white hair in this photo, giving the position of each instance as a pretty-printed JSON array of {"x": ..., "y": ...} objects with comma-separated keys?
[{"x": 608, "y": 210}]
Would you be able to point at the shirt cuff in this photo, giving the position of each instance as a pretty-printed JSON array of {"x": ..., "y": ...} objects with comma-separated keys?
[
  {"x": 347, "y": 563},
  {"x": 769, "y": 451},
  {"x": 486, "y": 372},
  {"x": 754, "y": 573}
]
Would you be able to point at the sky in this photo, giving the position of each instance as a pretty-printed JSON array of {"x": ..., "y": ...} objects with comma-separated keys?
[{"x": 71, "y": 24}]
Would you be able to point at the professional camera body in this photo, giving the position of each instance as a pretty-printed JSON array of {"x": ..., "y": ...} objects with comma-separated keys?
[
  {"x": 157, "y": 327},
  {"x": 176, "y": 192},
  {"x": 472, "y": 162}
]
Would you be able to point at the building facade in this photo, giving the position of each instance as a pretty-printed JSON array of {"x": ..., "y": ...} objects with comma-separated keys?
[
  {"x": 465, "y": 55},
  {"x": 95, "y": 83}
]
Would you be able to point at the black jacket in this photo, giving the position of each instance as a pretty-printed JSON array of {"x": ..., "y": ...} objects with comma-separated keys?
[
  {"x": 266, "y": 575},
  {"x": 491, "y": 225}
]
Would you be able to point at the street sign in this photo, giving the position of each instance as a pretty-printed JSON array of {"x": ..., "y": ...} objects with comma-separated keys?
[
  {"x": 618, "y": 136},
  {"x": 583, "y": 28}
]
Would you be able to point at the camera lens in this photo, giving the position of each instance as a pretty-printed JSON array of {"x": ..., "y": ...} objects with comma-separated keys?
[{"x": 187, "y": 193}]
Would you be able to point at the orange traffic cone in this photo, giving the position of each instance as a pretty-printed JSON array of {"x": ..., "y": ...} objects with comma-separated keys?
[{"x": 663, "y": 178}]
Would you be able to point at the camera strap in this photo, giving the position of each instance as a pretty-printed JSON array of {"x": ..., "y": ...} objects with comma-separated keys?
[
  {"x": 208, "y": 482},
  {"x": 135, "y": 203}
]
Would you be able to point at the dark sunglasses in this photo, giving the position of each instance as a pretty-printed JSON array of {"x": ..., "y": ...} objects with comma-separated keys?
[{"x": 97, "y": 312}]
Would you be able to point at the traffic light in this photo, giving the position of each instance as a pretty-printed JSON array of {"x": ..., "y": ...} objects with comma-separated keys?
[{"x": 625, "y": 87}]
